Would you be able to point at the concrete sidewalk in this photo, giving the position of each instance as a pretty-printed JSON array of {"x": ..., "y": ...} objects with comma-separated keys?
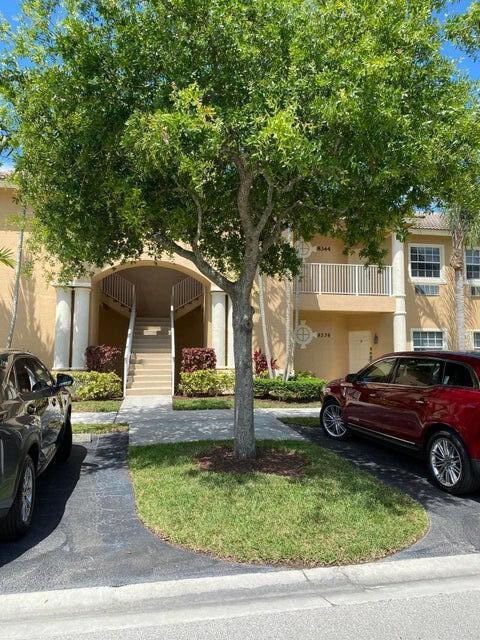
[
  {"x": 58, "y": 613},
  {"x": 152, "y": 419}
]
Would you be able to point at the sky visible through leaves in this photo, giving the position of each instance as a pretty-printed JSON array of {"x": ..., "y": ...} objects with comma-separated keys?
[{"x": 11, "y": 8}]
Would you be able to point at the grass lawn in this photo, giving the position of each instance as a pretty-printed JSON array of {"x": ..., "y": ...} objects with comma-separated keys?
[
  {"x": 78, "y": 427},
  {"x": 96, "y": 405},
  {"x": 226, "y": 402},
  {"x": 333, "y": 514},
  {"x": 298, "y": 421}
]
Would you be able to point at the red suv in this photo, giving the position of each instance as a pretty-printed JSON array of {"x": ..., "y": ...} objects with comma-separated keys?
[{"x": 428, "y": 402}]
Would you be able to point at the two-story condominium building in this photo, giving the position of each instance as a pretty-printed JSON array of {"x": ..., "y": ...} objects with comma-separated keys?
[{"x": 344, "y": 313}]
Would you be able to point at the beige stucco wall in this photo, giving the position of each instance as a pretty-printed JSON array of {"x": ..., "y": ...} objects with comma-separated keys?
[
  {"x": 331, "y": 316},
  {"x": 34, "y": 329}
]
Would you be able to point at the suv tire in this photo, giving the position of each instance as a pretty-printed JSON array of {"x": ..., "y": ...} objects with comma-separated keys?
[
  {"x": 449, "y": 464},
  {"x": 331, "y": 421},
  {"x": 18, "y": 520}
]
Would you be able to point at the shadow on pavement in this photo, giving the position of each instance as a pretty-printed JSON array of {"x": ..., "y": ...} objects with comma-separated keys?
[{"x": 54, "y": 488}]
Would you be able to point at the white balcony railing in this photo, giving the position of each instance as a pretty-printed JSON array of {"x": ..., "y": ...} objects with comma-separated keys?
[
  {"x": 186, "y": 291},
  {"x": 120, "y": 289},
  {"x": 346, "y": 279}
]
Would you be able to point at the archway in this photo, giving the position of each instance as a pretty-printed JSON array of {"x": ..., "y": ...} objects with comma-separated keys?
[{"x": 151, "y": 311}]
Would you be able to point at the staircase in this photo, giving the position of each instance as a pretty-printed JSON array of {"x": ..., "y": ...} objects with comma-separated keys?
[{"x": 150, "y": 372}]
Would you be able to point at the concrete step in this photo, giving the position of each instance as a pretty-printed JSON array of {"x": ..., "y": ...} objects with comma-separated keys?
[
  {"x": 152, "y": 339},
  {"x": 145, "y": 379},
  {"x": 155, "y": 387},
  {"x": 151, "y": 391},
  {"x": 161, "y": 322},
  {"x": 152, "y": 364}
]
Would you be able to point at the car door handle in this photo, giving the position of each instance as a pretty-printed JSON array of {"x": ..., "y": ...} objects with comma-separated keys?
[
  {"x": 420, "y": 401},
  {"x": 373, "y": 395}
]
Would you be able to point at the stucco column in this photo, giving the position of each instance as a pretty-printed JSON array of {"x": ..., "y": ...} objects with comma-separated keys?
[
  {"x": 398, "y": 290},
  {"x": 219, "y": 300},
  {"x": 63, "y": 326},
  {"x": 230, "y": 350},
  {"x": 81, "y": 317}
]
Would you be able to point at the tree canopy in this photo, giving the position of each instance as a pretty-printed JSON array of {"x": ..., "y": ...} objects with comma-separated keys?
[{"x": 210, "y": 127}]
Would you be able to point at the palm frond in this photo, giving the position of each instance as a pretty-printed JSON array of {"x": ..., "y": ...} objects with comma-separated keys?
[{"x": 6, "y": 257}]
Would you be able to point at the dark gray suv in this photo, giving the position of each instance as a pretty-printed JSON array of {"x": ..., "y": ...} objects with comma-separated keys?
[{"x": 35, "y": 430}]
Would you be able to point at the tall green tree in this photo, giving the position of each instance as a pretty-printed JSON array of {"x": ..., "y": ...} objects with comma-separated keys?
[{"x": 211, "y": 127}]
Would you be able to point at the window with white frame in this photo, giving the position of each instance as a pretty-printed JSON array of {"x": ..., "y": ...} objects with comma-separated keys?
[
  {"x": 472, "y": 264},
  {"x": 476, "y": 340},
  {"x": 425, "y": 261},
  {"x": 427, "y": 340}
]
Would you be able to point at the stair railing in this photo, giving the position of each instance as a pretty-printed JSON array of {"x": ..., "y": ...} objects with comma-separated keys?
[
  {"x": 128, "y": 346},
  {"x": 172, "y": 336}
]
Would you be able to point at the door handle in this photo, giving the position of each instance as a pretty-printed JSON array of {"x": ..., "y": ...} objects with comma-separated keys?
[
  {"x": 420, "y": 401},
  {"x": 373, "y": 395},
  {"x": 31, "y": 409}
]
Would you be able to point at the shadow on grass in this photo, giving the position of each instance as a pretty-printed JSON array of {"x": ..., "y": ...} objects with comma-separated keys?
[{"x": 326, "y": 474}]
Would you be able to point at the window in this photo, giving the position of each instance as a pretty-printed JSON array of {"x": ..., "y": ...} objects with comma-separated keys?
[
  {"x": 457, "y": 375},
  {"x": 418, "y": 372},
  {"x": 25, "y": 377},
  {"x": 425, "y": 262},
  {"x": 427, "y": 289},
  {"x": 427, "y": 340},
  {"x": 475, "y": 291},
  {"x": 378, "y": 372},
  {"x": 31, "y": 375},
  {"x": 476, "y": 340},
  {"x": 472, "y": 264}
]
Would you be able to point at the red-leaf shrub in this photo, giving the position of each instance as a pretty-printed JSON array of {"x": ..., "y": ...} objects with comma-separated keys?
[
  {"x": 198, "y": 358},
  {"x": 260, "y": 362},
  {"x": 102, "y": 357}
]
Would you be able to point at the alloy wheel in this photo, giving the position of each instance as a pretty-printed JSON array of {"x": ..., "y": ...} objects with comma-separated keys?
[
  {"x": 333, "y": 421},
  {"x": 27, "y": 495},
  {"x": 446, "y": 462}
]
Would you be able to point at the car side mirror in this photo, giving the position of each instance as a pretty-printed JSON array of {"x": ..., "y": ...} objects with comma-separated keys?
[
  {"x": 64, "y": 380},
  {"x": 351, "y": 377}
]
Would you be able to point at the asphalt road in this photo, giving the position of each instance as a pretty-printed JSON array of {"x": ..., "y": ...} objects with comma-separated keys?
[{"x": 441, "y": 617}]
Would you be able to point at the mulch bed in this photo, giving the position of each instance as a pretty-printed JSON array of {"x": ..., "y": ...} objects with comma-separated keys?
[{"x": 281, "y": 463}]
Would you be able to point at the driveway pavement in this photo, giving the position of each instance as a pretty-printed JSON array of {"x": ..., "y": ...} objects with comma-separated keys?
[
  {"x": 86, "y": 531},
  {"x": 454, "y": 520}
]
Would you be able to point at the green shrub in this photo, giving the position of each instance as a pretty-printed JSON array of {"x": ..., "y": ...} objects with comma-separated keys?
[
  {"x": 94, "y": 385},
  {"x": 207, "y": 382},
  {"x": 293, "y": 390}
]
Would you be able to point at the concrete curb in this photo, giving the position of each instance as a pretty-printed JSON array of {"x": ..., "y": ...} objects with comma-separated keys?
[{"x": 372, "y": 576}]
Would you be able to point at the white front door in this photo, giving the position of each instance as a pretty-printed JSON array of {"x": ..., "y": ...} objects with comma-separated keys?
[{"x": 359, "y": 349}]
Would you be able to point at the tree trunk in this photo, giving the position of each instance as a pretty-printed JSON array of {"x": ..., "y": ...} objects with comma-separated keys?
[
  {"x": 460, "y": 308},
  {"x": 244, "y": 430},
  {"x": 266, "y": 341},
  {"x": 16, "y": 287}
]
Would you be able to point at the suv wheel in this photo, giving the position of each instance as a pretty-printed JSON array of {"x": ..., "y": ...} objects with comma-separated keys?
[
  {"x": 331, "y": 419},
  {"x": 19, "y": 518},
  {"x": 450, "y": 465}
]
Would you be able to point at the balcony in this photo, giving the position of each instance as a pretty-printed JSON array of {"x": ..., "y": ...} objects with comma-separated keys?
[{"x": 346, "y": 287}]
